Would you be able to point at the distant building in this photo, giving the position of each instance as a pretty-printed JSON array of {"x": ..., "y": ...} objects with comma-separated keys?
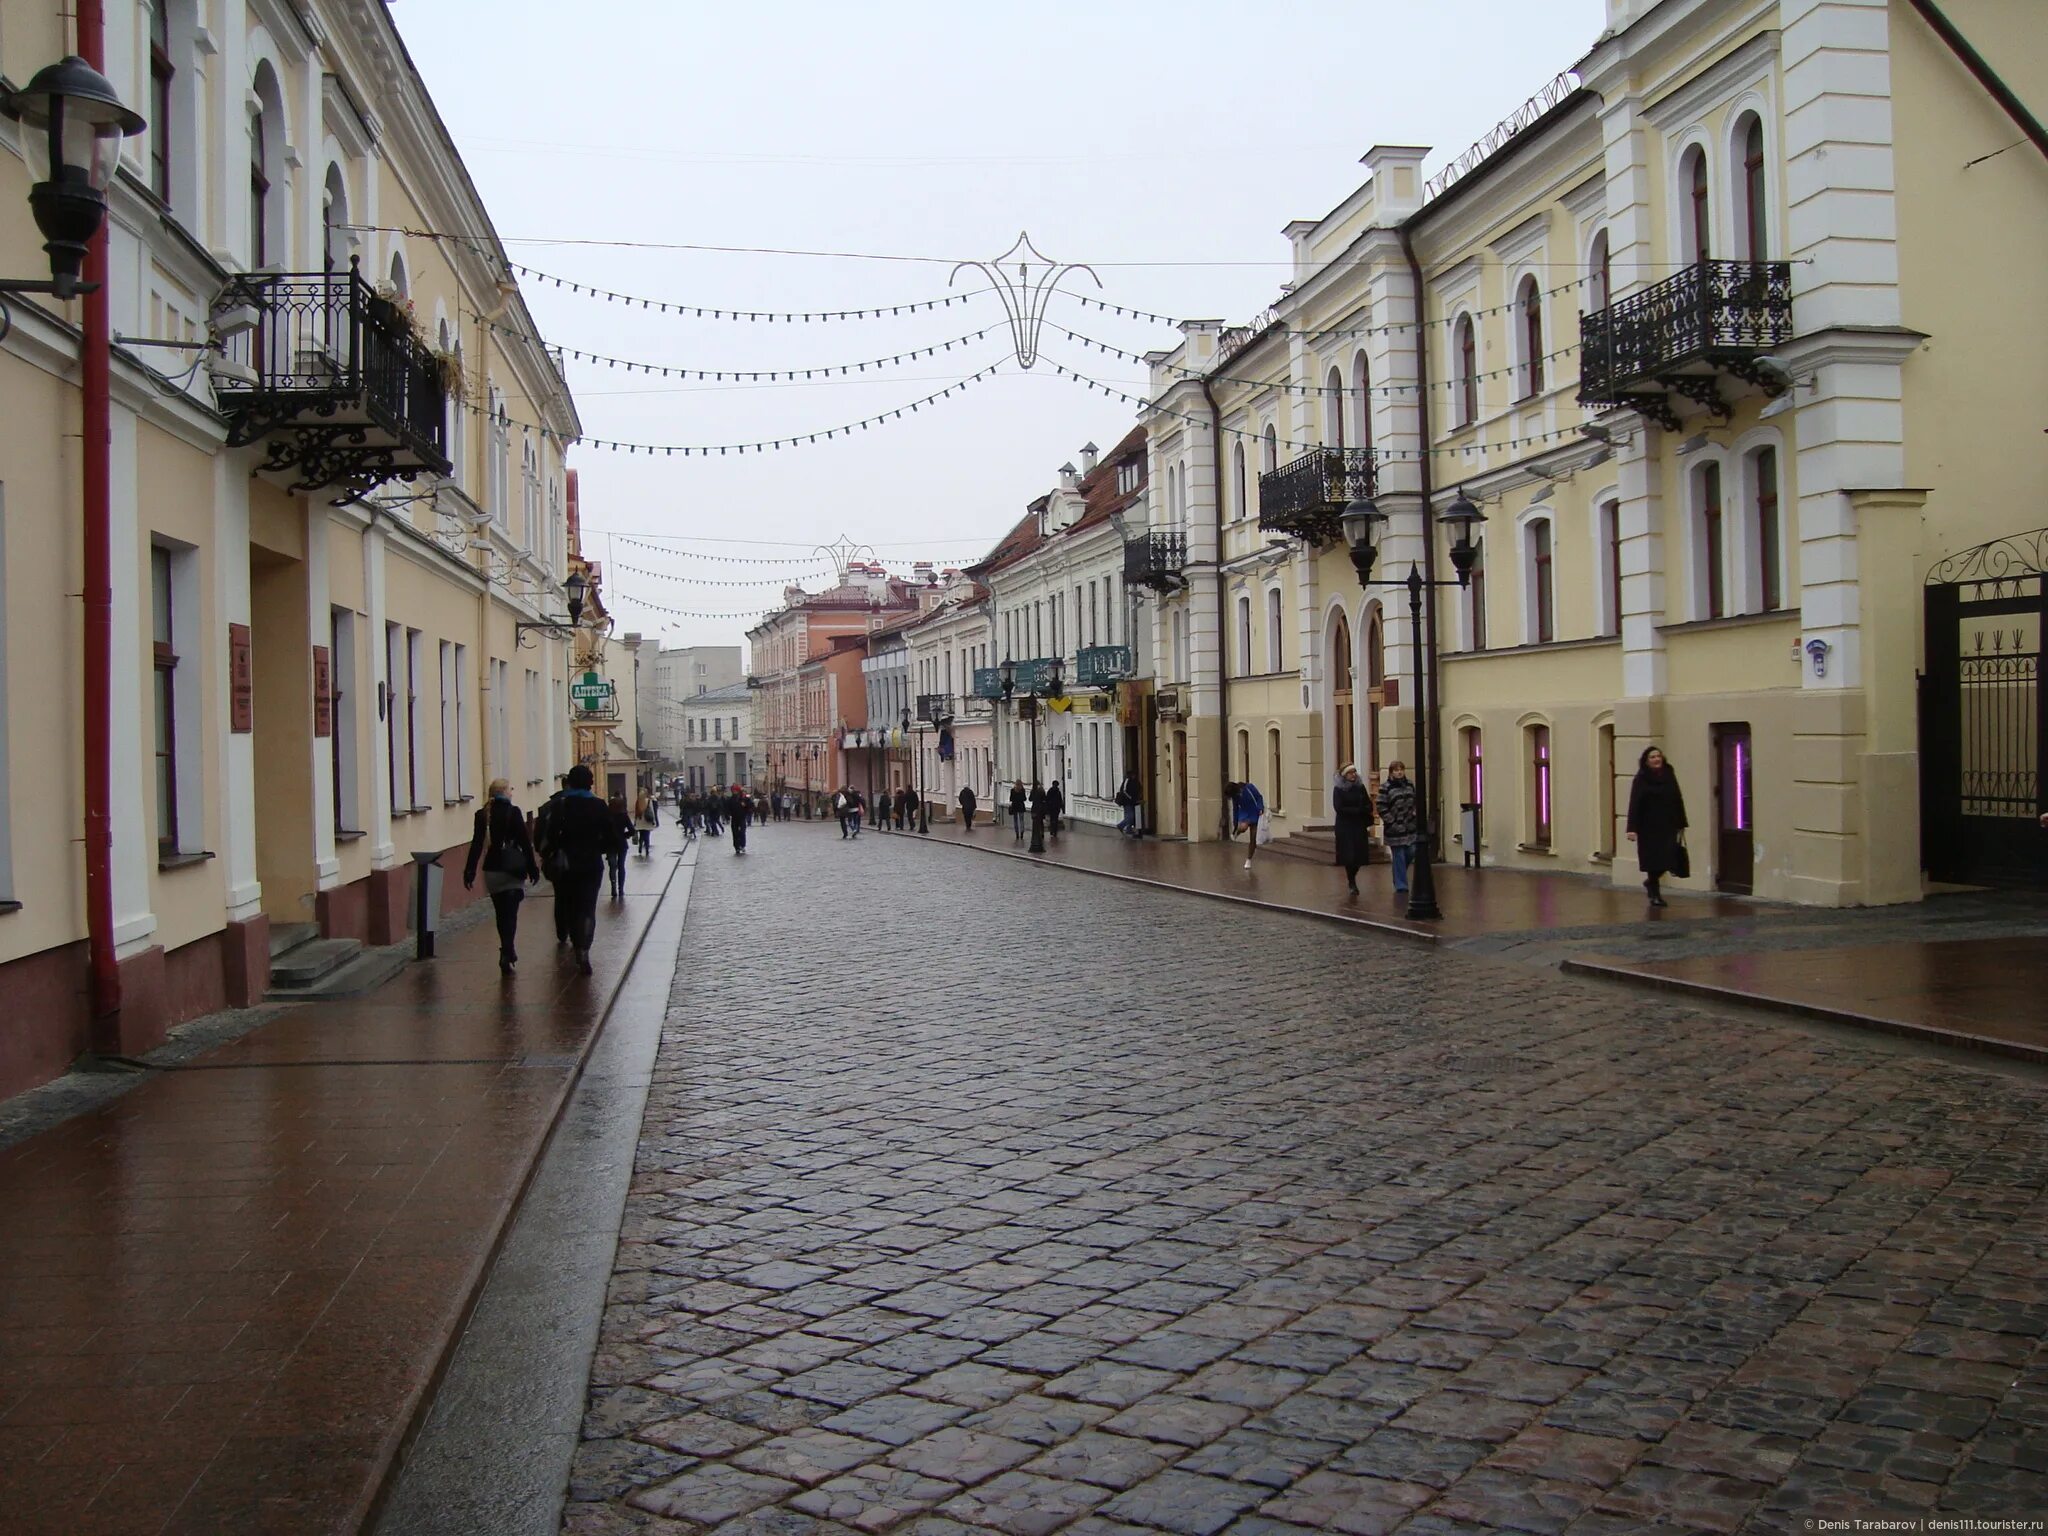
[
  {"x": 676, "y": 676},
  {"x": 717, "y": 729}
]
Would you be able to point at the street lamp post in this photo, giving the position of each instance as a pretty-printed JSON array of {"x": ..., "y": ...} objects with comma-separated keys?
[
  {"x": 1363, "y": 522},
  {"x": 924, "y": 815},
  {"x": 1052, "y": 688}
]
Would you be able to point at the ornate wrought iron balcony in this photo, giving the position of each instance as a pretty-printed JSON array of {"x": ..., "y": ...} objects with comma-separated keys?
[
  {"x": 1306, "y": 498},
  {"x": 1154, "y": 560},
  {"x": 334, "y": 382},
  {"x": 1678, "y": 337},
  {"x": 935, "y": 708}
]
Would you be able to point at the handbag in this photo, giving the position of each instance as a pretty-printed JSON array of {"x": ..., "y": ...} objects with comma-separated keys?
[
  {"x": 505, "y": 859},
  {"x": 1681, "y": 860}
]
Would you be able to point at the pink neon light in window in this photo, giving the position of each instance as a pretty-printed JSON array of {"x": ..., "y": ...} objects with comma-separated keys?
[{"x": 1741, "y": 786}]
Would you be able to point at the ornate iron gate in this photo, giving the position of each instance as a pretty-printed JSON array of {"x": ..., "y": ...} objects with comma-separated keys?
[{"x": 1983, "y": 730}]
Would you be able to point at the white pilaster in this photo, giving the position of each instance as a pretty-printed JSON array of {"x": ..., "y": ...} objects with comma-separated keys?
[
  {"x": 320, "y": 632},
  {"x": 1641, "y": 500},
  {"x": 382, "y": 851},
  {"x": 237, "y": 811},
  {"x": 134, "y": 852}
]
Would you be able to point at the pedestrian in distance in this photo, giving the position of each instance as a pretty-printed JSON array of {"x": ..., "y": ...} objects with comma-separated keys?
[
  {"x": 583, "y": 835},
  {"x": 1036, "y": 800},
  {"x": 1247, "y": 810},
  {"x": 903, "y": 808},
  {"x": 1129, "y": 797},
  {"x": 967, "y": 807},
  {"x": 1656, "y": 823},
  {"x": 615, "y": 862},
  {"x": 1351, "y": 810},
  {"x": 646, "y": 817},
  {"x": 1398, "y": 822},
  {"x": 1017, "y": 810},
  {"x": 503, "y": 848},
  {"x": 839, "y": 813},
  {"x": 739, "y": 811},
  {"x": 1055, "y": 806},
  {"x": 854, "y": 806},
  {"x": 540, "y": 835}
]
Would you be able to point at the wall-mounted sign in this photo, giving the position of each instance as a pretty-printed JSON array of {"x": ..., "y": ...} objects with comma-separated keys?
[
  {"x": 323, "y": 693},
  {"x": 592, "y": 694},
  {"x": 241, "y": 681}
]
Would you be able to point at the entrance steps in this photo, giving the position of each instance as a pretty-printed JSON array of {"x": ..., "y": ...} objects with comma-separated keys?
[
  {"x": 1313, "y": 844},
  {"x": 304, "y": 965}
]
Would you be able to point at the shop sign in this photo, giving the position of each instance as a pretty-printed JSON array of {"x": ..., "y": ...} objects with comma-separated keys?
[
  {"x": 241, "y": 681},
  {"x": 323, "y": 693}
]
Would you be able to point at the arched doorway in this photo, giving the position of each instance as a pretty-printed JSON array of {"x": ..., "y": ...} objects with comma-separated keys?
[
  {"x": 1375, "y": 688},
  {"x": 1343, "y": 710}
]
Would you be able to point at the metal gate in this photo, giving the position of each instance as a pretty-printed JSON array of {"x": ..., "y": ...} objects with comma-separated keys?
[{"x": 1983, "y": 731}]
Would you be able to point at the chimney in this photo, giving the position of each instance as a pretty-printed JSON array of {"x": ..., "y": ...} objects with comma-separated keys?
[
  {"x": 1089, "y": 454},
  {"x": 922, "y": 571},
  {"x": 1068, "y": 476}
]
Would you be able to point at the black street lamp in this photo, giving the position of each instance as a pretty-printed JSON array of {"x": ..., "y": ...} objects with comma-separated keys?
[
  {"x": 1363, "y": 523},
  {"x": 1048, "y": 684},
  {"x": 75, "y": 124},
  {"x": 924, "y": 815}
]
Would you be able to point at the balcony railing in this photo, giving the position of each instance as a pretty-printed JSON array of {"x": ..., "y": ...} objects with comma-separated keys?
[
  {"x": 1155, "y": 560},
  {"x": 1715, "y": 317},
  {"x": 1306, "y": 498},
  {"x": 935, "y": 708},
  {"x": 333, "y": 381}
]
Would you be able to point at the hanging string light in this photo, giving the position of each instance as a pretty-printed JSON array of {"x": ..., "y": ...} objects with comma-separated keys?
[
  {"x": 705, "y": 581},
  {"x": 755, "y": 375},
  {"x": 1391, "y": 328},
  {"x": 757, "y": 316}
]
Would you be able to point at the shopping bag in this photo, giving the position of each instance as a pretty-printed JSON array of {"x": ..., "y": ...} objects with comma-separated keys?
[{"x": 1265, "y": 832}]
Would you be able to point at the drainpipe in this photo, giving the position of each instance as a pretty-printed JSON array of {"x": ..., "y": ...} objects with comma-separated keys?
[
  {"x": 1987, "y": 77},
  {"x": 96, "y": 472},
  {"x": 1222, "y": 600},
  {"x": 1426, "y": 719}
]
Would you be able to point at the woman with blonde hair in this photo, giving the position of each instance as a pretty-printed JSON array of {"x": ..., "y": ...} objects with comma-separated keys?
[{"x": 500, "y": 845}]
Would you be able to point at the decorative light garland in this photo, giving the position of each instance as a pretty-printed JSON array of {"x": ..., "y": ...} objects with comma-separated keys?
[
  {"x": 705, "y": 581},
  {"x": 1392, "y": 328},
  {"x": 765, "y": 316},
  {"x": 752, "y": 375}
]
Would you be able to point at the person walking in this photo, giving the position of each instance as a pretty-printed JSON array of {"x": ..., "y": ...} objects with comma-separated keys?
[
  {"x": 967, "y": 807},
  {"x": 1351, "y": 809},
  {"x": 1055, "y": 805},
  {"x": 504, "y": 849},
  {"x": 1656, "y": 823},
  {"x": 854, "y": 806},
  {"x": 1017, "y": 809},
  {"x": 1130, "y": 796},
  {"x": 540, "y": 834},
  {"x": 739, "y": 811},
  {"x": 1247, "y": 806},
  {"x": 1398, "y": 822},
  {"x": 903, "y": 808},
  {"x": 839, "y": 812},
  {"x": 646, "y": 817},
  {"x": 583, "y": 834},
  {"x": 615, "y": 860}
]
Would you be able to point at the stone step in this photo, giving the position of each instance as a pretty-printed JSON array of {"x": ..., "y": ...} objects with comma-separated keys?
[
  {"x": 367, "y": 971},
  {"x": 305, "y": 964},
  {"x": 286, "y": 937}
]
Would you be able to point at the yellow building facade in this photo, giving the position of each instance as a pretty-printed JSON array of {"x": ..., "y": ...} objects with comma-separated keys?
[
  {"x": 1719, "y": 332},
  {"x": 329, "y": 517}
]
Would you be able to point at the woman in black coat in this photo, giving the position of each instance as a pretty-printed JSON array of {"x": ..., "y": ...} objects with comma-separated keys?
[
  {"x": 1656, "y": 818},
  {"x": 500, "y": 845},
  {"x": 1351, "y": 808}
]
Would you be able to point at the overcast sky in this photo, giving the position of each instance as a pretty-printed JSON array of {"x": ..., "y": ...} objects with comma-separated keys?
[{"x": 1165, "y": 144}]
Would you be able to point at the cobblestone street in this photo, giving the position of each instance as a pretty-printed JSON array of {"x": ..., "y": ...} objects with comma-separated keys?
[{"x": 1029, "y": 1202}]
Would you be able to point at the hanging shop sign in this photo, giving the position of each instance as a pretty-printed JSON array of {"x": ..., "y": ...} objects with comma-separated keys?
[{"x": 593, "y": 695}]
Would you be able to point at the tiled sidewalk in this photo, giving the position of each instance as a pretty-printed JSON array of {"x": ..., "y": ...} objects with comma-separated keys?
[
  {"x": 1965, "y": 970},
  {"x": 223, "y": 1295}
]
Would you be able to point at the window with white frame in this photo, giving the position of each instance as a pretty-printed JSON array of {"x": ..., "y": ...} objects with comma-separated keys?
[
  {"x": 499, "y": 474},
  {"x": 1270, "y": 447},
  {"x": 1240, "y": 504},
  {"x": 532, "y": 726},
  {"x": 394, "y": 718},
  {"x": 501, "y": 715},
  {"x": 342, "y": 708},
  {"x": 529, "y": 496},
  {"x": 1333, "y": 408},
  {"x": 163, "y": 121},
  {"x": 1465, "y": 369},
  {"x": 180, "y": 742},
  {"x": 414, "y": 662},
  {"x": 462, "y": 789},
  {"x": 1753, "y": 191},
  {"x": 1538, "y": 739},
  {"x": 1766, "y": 533},
  {"x": 1695, "y": 208},
  {"x": 1276, "y": 781},
  {"x": 1709, "y": 544},
  {"x": 451, "y": 780},
  {"x": 1276, "y": 652},
  {"x": 1607, "y": 536},
  {"x": 1529, "y": 330},
  {"x": 1599, "y": 274},
  {"x": 1361, "y": 389},
  {"x": 1244, "y": 634},
  {"x": 1539, "y": 604}
]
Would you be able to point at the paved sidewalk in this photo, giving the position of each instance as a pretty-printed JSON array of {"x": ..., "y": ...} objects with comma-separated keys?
[
  {"x": 224, "y": 1295},
  {"x": 1967, "y": 969}
]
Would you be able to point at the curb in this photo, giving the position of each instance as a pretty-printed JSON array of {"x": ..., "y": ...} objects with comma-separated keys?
[
  {"x": 473, "y": 1288},
  {"x": 1960, "y": 1039},
  {"x": 1370, "y": 924}
]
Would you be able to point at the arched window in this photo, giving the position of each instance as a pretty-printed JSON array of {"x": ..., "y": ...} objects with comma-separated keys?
[
  {"x": 1276, "y": 781},
  {"x": 1608, "y": 516},
  {"x": 1755, "y": 192},
  {"x": 401, "y": 289},
  {"x": 1600, "y": 274},
  {"x": 1475, "y": 765},
  {"x": 1467, "y": 371},
  {"x": 161, "y": 119},
  {"x": 1765, "y": 534},
  {"x": 259, "y": 191},
  {"x": 1244, "y": 634},
  {"x": 1692, "y": 176},
  {"x": 1539, "y": 786},
  {"x": 1529, "y": 316},
  {"x": 1243, "y": 506},
  {"x": 1361, "y": 386},
  {"x": 1276, "y": 653},
  {"x": 334, "y": 234},
  {"x": 1475, "y": 598},
  {"x": 1375, "y": 681},
  {"x": 1710, "y": 545},
  {"x": 1244, "y": 757},
  {"x": 1342, "y": 704},
  {"x": 1271, "y": 450},
  {"x": 1333, "y": 408},
  {"x": 1541, "y": 596},
  {"x": 1603, "y": 747}
]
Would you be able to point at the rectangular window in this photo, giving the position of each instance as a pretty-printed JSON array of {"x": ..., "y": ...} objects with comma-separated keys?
[
  {"x": 1543, "y": 582},
  {"x": 1712, "y": 543},
  {"x": 394, "y": 669},
  {"x": 412, "y": 718},
  {"x": 532, "y": 726},
  {"x": 1539, "y": 786},
  {"x": 160, "y": 76},
  {"x": 166, "y": 681},
  {"x": 717, "y": 729},
  {"x": 1275, "y": 652},
  {"x": 1475, "y": 597},
  {"x": 451, "y": 782},
  {"x": 1475, "y": 766},
  {"x": 1770, "y": 557},
  {"x": 462, "y": 720},
  {"x": 1610, "y": 533},
  {"x": 1244, "y": 635},
  {"x": 341, "y": 674}
]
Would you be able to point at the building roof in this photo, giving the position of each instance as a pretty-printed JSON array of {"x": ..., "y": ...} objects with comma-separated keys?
[
  {"x": 732, "y": 693},
  {"x": 1013, "y": 546},
  {"x": 1099, "y": 486}
]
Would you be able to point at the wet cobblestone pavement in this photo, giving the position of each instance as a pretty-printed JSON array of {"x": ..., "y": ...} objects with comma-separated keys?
[{"x": 1053, "y": 1204}]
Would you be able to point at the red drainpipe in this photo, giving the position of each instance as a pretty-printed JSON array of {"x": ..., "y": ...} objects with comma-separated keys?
[{"x": 96, "y": 472}]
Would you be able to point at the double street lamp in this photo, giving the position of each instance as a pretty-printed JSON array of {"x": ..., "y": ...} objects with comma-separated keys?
[
  {"x": 924, "y": 815},
  {"x": 1046, "y": 683},
  {"x": 1363, "y": 523}
]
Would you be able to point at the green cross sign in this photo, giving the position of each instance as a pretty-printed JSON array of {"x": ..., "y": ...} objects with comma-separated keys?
[{"x": 590, "y": 692}]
